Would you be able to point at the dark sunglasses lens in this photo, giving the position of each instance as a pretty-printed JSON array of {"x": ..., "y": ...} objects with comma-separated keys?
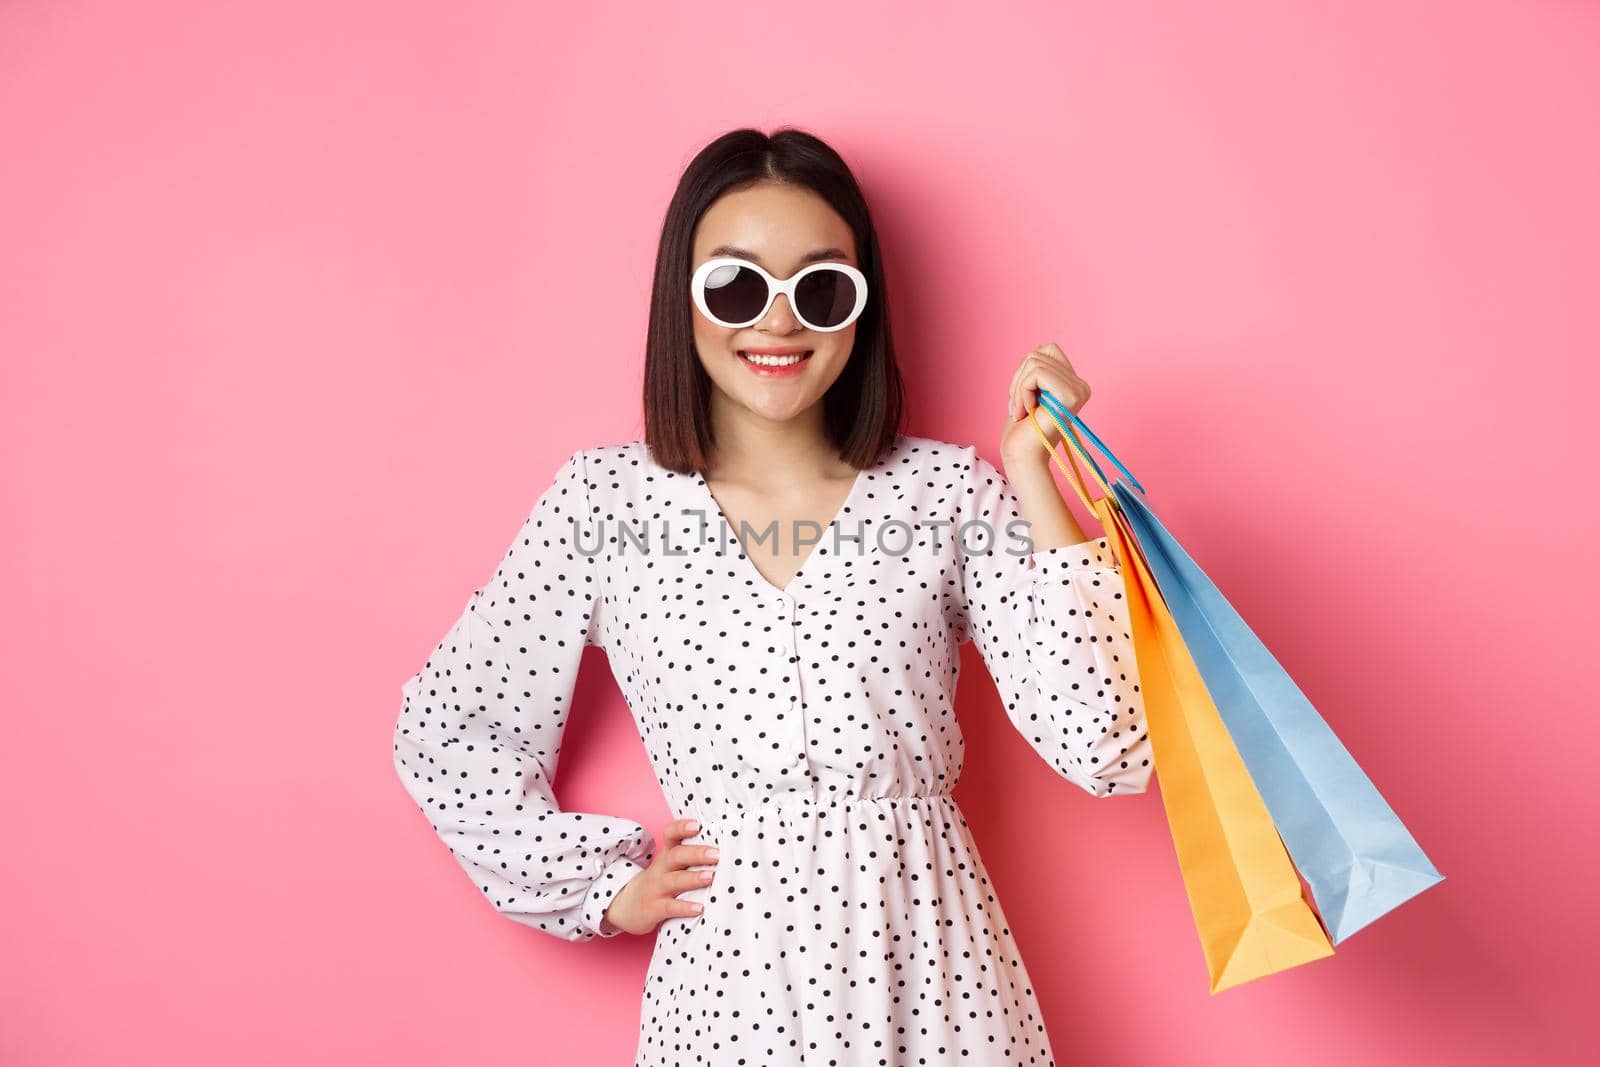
[
  {"x": 825, "y": 297},
  {"x": 735, "y": 294}
]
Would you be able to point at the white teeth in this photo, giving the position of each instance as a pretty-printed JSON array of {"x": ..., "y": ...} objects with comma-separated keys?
[{"x": 773, "y": 361}]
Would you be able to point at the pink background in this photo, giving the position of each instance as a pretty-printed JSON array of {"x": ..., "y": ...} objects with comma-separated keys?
[{"x": 303, "y": 303}]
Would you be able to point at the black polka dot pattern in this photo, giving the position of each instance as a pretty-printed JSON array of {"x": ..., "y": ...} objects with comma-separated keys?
[{"x": 811, "y": 730}]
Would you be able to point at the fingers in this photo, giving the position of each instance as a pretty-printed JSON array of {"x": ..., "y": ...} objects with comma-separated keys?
[
  {"x": 1053, "y": 351},
  {"x": 1018, "y": 385},
  {"x": 676, "y": 854},
  {"x": 678, "y": 829},
  {"x": 1046, "y": 367},
  {"x": 689, "y": 855},
  {"x": 673, "y": 874},
  {"x": 673, "y": 907},
  {"x": 1054, "y": 372},
  {"x": 684, "y": 879}
]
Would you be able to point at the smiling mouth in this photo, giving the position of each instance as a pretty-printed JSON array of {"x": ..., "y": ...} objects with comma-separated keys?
[{"x": 774, "y": 361}]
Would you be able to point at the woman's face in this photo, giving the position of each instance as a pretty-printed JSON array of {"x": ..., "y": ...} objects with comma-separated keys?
[{"x": 777, "y": 227}]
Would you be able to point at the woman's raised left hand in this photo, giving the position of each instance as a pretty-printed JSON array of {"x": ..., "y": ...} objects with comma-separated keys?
[{"x": 1046, "y": 367}]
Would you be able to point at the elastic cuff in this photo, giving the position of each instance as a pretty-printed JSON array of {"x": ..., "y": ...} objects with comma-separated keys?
[
  {"x": 1085, "y": 555},
  {"x": 616, "y": 875}
]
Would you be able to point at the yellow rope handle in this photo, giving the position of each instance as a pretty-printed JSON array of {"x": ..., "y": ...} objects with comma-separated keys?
[{"x": 1075, "y": 446}]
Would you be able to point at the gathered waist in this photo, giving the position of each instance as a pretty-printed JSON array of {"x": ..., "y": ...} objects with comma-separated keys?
[
  {"x": 785, "y": 801},
  {"x": 789, "y": 806}
]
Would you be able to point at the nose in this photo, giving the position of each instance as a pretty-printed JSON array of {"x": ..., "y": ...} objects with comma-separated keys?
[{"x": 780, "y": 318}]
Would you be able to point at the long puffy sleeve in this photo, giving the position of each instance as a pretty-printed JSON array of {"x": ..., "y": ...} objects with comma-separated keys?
[
  {"x": 480, "y": 729},
  {"x": 1053, "y": 629}
]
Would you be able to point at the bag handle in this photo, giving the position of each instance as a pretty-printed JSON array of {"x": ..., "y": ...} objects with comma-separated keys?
[
  {"x": 1074, "y": 447},
  {"x": 1057, "y": 407}
]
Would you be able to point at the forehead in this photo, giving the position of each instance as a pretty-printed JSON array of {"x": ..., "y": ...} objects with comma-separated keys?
[{"x": 781, "y": 227}]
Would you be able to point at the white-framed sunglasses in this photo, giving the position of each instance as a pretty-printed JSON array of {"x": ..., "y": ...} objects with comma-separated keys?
[{"x": 735, "y": 293}]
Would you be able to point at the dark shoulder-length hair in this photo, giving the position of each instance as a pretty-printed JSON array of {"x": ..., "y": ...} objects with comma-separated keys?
[{"x": 862, "y": 410}]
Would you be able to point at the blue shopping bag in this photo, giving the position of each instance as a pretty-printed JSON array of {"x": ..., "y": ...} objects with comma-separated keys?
[{"x": 1348, "y": 844}]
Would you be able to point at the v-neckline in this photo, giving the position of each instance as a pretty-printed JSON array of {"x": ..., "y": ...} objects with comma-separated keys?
[{"x": 818, "y": 550}]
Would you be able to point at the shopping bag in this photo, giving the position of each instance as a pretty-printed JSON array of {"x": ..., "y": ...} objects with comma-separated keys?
[
  {"x": 1349, "y": 845},
  {"x": 1243, "y": 891}
]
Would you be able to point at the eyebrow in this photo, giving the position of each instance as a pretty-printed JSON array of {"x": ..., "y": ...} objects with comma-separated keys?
[{"x": 809, "y": 257}]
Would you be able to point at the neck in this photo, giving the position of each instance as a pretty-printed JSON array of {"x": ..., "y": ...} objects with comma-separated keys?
[{"x": 753, "y": 450}]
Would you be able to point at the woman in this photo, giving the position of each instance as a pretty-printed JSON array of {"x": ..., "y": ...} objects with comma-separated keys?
[{"x": 781, "y": 580}]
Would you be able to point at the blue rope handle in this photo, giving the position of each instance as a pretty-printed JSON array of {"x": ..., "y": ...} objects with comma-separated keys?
[{"x": 1048, "y": 399}]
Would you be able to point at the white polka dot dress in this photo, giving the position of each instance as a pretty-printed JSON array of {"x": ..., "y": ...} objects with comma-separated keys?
[{"x": 809, "y": 729}]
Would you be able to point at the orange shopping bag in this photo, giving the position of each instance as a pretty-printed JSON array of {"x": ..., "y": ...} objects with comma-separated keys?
[{"x": 1243, "y": 890}]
